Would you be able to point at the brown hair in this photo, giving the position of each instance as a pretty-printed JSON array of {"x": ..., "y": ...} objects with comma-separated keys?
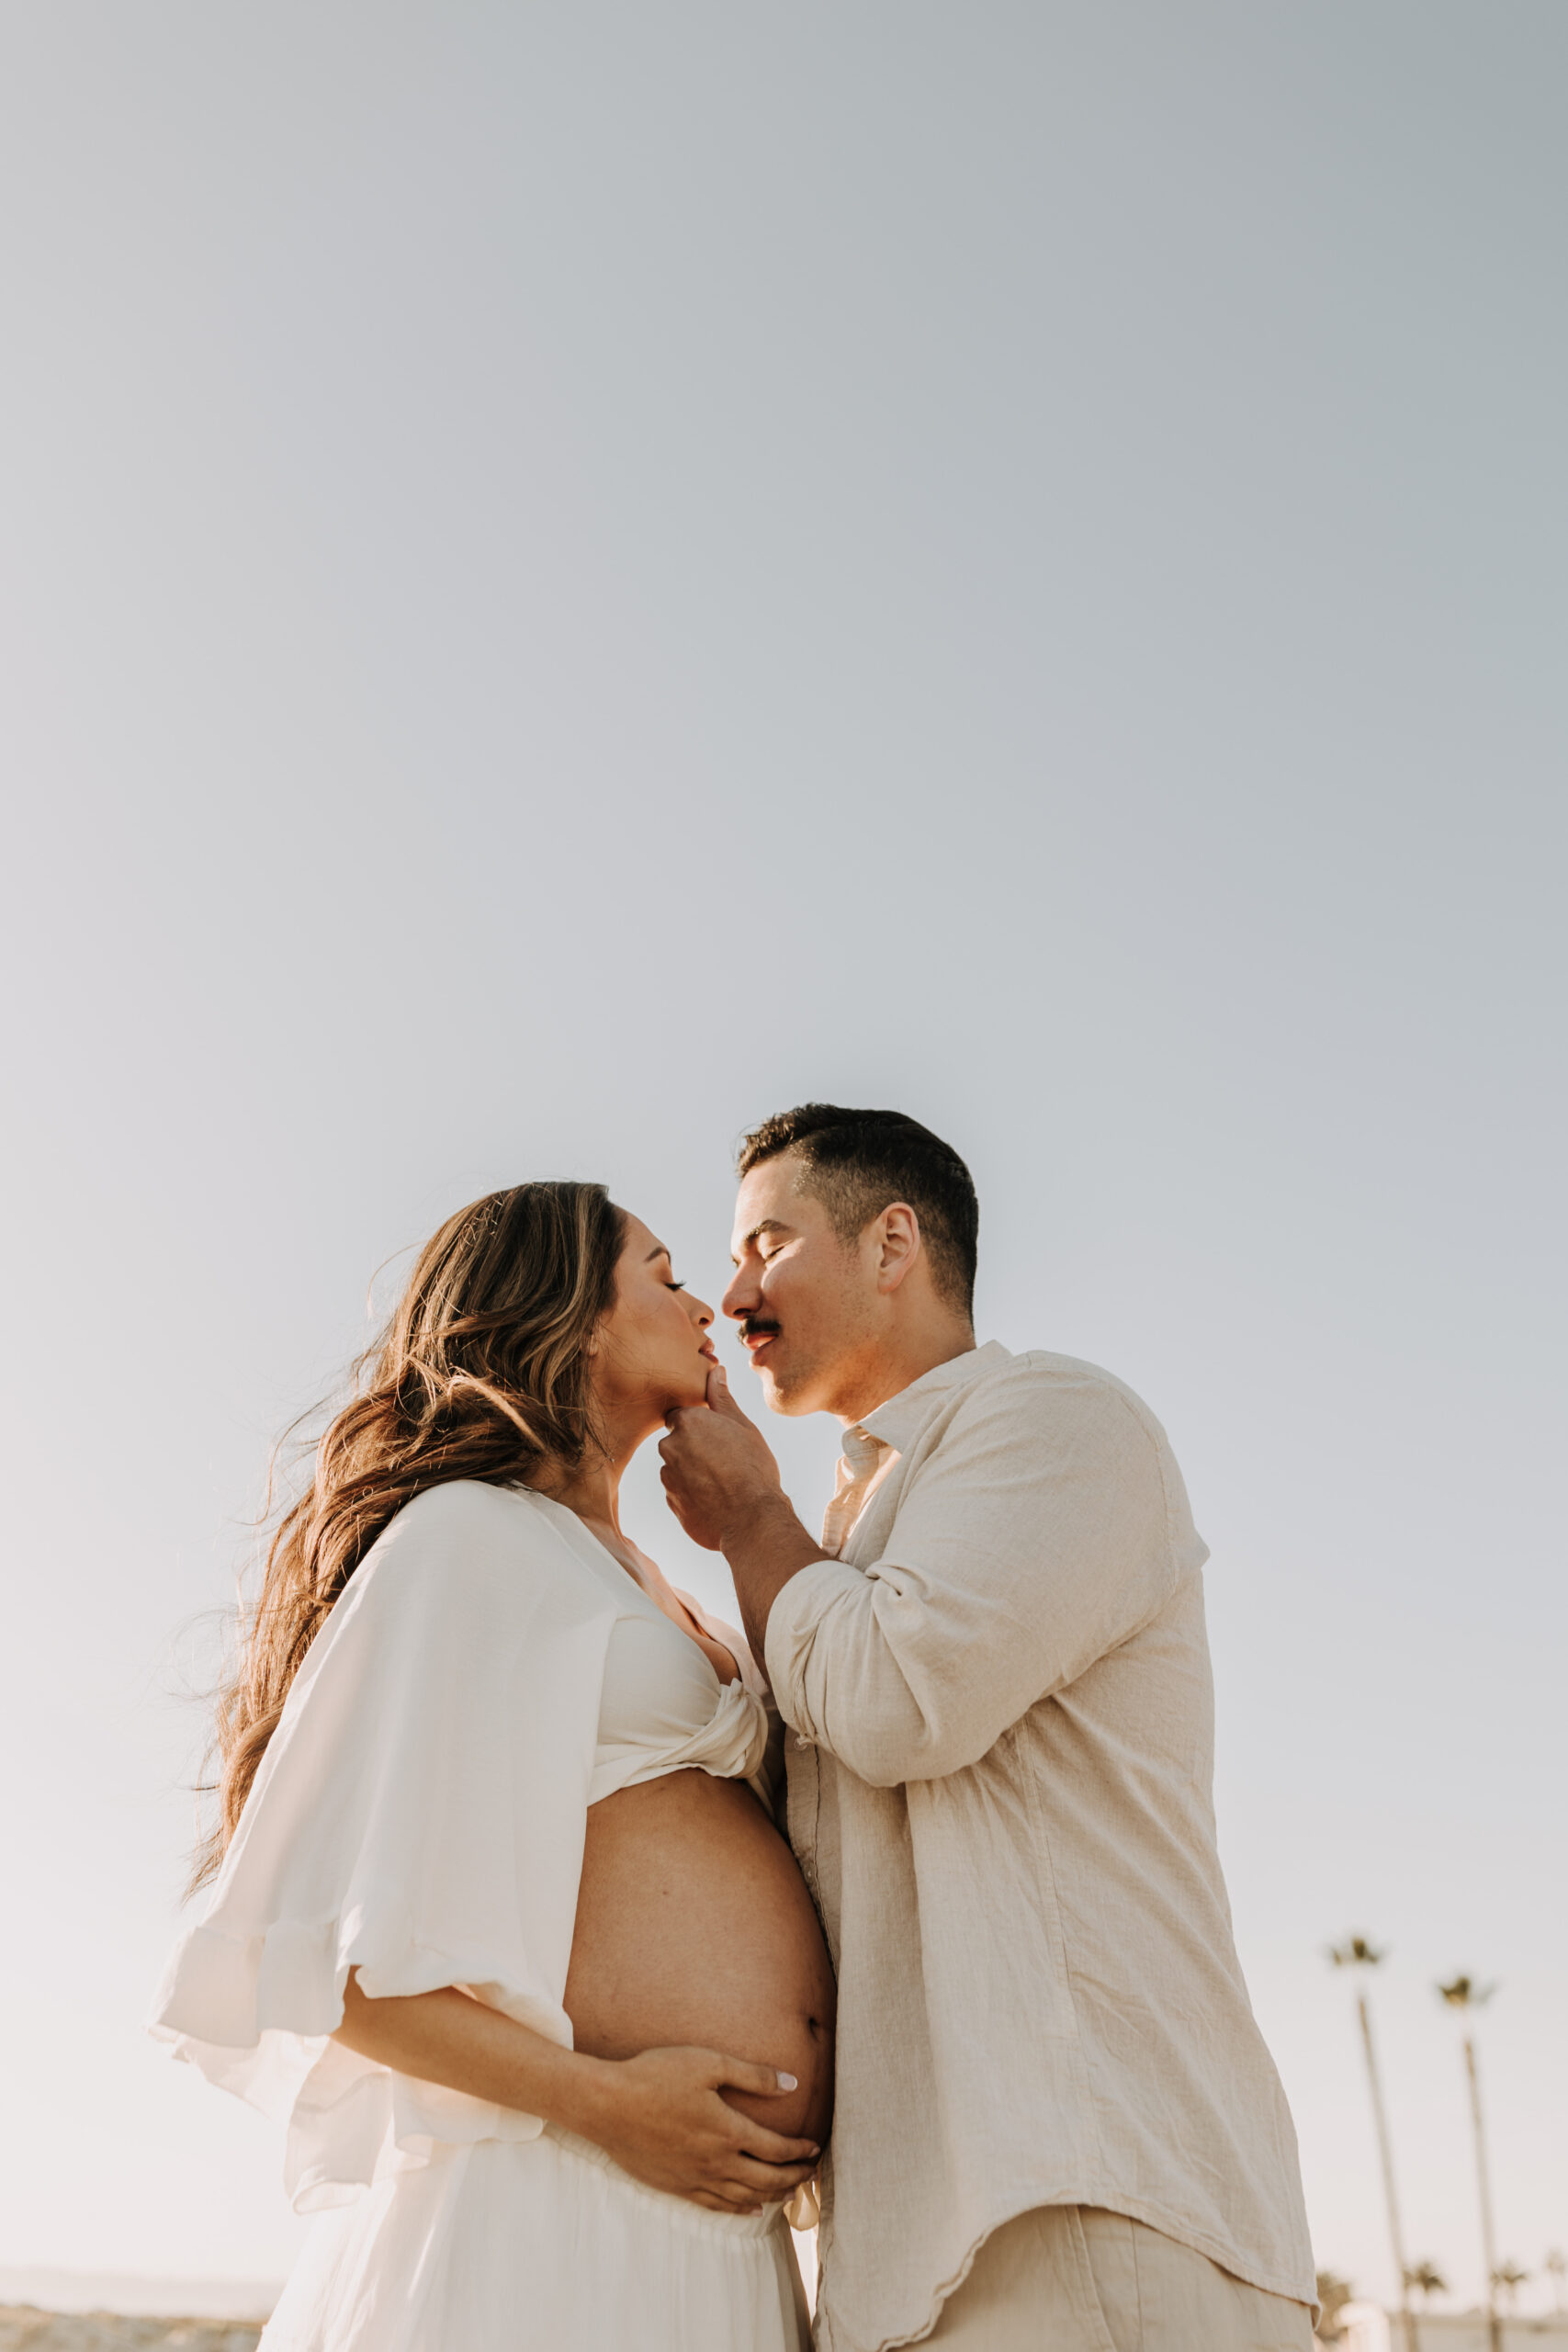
[
  {"x": 481, "y": 1373},
  {"x": 857, "y": 1162}
]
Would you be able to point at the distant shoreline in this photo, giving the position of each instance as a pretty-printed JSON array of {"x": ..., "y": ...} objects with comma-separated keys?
[
  {"x": 25, "y": 2327},
  {"x": 137, "y": 2295}
]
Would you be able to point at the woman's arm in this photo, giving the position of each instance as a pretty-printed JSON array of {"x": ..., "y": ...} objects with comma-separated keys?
[{"x": 659, "y": 2115}]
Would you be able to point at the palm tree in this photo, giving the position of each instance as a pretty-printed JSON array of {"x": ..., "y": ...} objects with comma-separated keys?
[
  {"x": 1427, "y": 2281},
  {"x": 1508, "y": 2278},
  {"x": 1465, "y": 1994},
  {"x": 1358, "y": 1952},
  {"x": 1333, "y": 2293},
  {"x": 1556, "y": 2270}
]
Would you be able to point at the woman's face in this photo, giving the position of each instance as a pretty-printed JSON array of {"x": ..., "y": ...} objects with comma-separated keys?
[{"x": 651, "y": 1351}]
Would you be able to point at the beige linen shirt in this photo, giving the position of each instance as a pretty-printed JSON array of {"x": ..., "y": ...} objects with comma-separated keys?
[{"x": 1000, "y": 1794}]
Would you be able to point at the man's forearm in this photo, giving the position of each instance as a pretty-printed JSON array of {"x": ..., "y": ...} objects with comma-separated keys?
[{"x": 765, "y": 1546}]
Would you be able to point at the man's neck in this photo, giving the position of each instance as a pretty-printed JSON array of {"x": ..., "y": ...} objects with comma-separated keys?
[{"x": 897, "y": 1366}]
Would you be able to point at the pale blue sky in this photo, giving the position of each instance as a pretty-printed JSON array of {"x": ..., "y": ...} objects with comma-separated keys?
[{"x": 575, "y": 574}]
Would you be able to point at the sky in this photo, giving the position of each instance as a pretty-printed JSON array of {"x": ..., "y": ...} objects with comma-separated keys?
[{"x": 572, "y": 575}]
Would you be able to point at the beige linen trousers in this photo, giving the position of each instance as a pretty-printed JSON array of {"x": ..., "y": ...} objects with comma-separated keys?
[{"x": 1077, "y": 2278}]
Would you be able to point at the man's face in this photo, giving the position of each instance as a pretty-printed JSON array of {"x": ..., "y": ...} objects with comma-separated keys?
[{"x": 807, "y": 1303}]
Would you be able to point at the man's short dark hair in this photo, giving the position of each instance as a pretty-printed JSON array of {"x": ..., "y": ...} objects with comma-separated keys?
[{"x": 857, "y": 1162}]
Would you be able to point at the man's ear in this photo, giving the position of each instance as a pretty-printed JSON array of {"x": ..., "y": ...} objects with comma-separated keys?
[{"x": 899, "y": 1244}]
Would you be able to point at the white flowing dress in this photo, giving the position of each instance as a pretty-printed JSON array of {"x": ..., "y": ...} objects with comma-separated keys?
[{"x": 419, "y": 1815}]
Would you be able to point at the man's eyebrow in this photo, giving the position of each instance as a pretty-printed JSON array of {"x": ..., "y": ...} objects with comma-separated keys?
[{"x": 767, "y": 1225}]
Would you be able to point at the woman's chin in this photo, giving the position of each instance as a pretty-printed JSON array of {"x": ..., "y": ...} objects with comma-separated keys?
[{"x": 676, "y": 1393}]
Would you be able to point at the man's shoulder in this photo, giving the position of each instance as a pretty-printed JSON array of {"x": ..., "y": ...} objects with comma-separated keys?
[
  {"x": 1059, "y": 1408},
  {"x": 1056, "y": 1382}
]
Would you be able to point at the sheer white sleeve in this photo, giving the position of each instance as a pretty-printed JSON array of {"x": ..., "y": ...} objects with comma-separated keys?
[{"x": 418, "y": 1815}]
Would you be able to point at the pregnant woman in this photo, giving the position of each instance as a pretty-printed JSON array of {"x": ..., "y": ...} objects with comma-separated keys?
[{"x": 501, "y": 1922}]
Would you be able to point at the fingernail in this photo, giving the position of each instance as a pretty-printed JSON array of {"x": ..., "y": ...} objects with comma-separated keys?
[{"x": 788, "y": 2082}]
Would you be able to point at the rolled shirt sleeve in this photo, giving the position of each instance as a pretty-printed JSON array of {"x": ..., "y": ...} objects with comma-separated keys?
[{"x": 1034, "y": 1540}]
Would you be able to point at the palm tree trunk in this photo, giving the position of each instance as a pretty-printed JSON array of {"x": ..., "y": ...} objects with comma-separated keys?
[
  {"x": 1385, "y": 2149},
  {"x": 1483, "y": 2183}
]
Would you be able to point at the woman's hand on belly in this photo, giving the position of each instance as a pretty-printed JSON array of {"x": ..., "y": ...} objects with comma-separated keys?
[
  {"x": 661, "y": 2114},
  {"x": 664, "y": 2118},
  {"x": 694, "y": 1930}
]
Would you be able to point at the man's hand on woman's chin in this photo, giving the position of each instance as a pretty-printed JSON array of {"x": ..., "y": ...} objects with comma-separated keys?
[
  {"x": 723, "y": 1485},
  {"x": 718, "y": 1469}
]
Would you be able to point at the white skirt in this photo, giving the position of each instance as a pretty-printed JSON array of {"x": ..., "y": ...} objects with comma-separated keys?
[{"x": 538, "y": 2246}]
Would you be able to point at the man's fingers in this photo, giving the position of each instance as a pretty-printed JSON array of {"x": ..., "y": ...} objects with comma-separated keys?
[{"x": 720, "y": 1398}]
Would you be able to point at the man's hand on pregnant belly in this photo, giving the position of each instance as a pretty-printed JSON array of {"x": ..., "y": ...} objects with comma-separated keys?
[{"x": 661, "y": 2115}]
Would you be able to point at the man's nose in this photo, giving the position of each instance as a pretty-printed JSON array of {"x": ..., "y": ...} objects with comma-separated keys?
[{"x": 742, "y": 1296}]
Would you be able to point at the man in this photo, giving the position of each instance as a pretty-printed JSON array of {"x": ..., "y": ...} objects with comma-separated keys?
[{"x": 1057, "y": 2126}]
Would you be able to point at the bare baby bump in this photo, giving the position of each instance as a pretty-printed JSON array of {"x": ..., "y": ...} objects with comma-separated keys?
[{"x": 693, "y": 1926}]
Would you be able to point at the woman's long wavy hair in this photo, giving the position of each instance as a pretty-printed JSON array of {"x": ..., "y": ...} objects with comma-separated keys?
[{"x": 481, "y": 1373}]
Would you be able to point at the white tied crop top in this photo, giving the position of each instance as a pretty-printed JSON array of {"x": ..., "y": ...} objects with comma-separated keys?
[{"x": 662, "y": 1707}]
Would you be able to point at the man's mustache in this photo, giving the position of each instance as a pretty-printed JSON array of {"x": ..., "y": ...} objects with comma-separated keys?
[{"x": 750, "y": 1325}]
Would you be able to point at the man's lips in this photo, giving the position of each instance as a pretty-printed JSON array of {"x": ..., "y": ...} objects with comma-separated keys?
[{"x": 755, "y": 1336}]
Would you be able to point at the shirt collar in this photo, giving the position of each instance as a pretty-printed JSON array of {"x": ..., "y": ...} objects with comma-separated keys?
[{"x": 900, "y": 1420}]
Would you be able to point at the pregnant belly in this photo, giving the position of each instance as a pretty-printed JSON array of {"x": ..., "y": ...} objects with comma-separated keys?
[{"x": 693, "y": 1926}]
